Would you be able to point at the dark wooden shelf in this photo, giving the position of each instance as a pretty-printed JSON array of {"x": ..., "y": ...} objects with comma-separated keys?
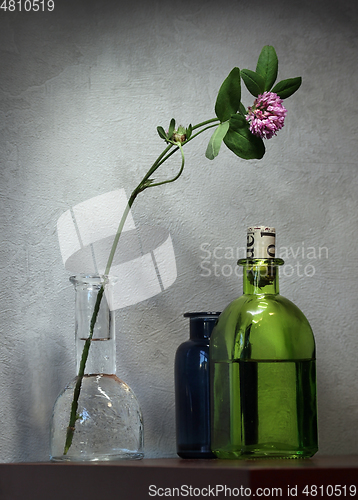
[{"x": 142, "y": 479}]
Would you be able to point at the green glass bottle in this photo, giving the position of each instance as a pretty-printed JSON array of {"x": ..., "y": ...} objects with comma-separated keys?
[{"x": 263, "y": 366}]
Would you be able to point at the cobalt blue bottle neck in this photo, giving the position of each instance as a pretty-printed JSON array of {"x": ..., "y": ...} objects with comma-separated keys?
[{"x": 201, "y": 324}]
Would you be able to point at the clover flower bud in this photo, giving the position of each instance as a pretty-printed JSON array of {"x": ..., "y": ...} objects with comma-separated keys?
[{"x": 179, "y": 135}]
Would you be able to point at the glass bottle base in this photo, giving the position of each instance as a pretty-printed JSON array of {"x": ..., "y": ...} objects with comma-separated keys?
[
  {"x": 122, "y": 455},
  {"x": 268, "y": 451},
  {"x": 195, "y": 454},
  {"x": 109, "y": 425}
]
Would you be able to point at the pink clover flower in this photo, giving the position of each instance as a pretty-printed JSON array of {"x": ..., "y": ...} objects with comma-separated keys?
[{"x": 267, "y": 115}]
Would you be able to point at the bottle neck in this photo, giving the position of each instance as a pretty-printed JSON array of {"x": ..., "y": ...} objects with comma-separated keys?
[
  {"x": 102, "y": 352},
  {"x": 260, "y": 276},
  {"x": 201, "y": 324}
]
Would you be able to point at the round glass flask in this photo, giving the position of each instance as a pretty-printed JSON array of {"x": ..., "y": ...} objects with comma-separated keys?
[{"x": 108, "y": 423}]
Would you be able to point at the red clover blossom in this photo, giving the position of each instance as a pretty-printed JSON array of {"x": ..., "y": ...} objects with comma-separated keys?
[{"x": 267, "y": 115}]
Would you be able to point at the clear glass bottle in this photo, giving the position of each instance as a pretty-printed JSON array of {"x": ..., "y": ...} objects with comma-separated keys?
[
  {"x": 109, "y": 424},
  {"x": 192, "y": 388},
  {"x": 263, "y": 366}
]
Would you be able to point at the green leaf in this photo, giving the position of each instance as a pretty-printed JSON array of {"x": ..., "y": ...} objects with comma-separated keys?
[
  {"x": 238, "y": 122},
  {"x": 189, "y": 131},
  {"x": 162, "y": 133},
  {"x": 267, "y": 66},
  {"x": 254, "y": 82},
  {"x": 171, "y": 128},
  {"x": 216, "y": 139},
  {"x": 241, "y": 141},
  {"x": 242, "y": 109},
  {"x": 229, "y": 96},
  {"x": 286, "y": 88}
]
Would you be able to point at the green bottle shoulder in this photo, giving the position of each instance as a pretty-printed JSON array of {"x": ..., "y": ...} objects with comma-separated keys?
[
  {"x": 262, "y": 327},
  {"x": 266, "y": 304}
]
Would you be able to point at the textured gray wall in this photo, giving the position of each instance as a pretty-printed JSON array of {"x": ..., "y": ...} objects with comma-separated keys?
[{"x": 82, "y": 90}]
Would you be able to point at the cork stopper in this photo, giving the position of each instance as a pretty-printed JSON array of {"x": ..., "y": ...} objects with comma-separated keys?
[{"x": 260, "y": 242}]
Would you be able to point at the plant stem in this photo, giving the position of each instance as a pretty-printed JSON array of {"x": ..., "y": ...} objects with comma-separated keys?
[
  {"x": 81, "y": 371},
  {"x": 206, "y": 122},
  {"x": 145, "y": 183}
]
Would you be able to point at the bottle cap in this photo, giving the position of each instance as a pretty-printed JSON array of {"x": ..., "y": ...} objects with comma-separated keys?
[{"x": 260, "y": 242}]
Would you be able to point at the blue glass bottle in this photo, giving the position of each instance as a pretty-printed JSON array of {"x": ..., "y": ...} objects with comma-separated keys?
[{"x": 192, "y": 388}]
